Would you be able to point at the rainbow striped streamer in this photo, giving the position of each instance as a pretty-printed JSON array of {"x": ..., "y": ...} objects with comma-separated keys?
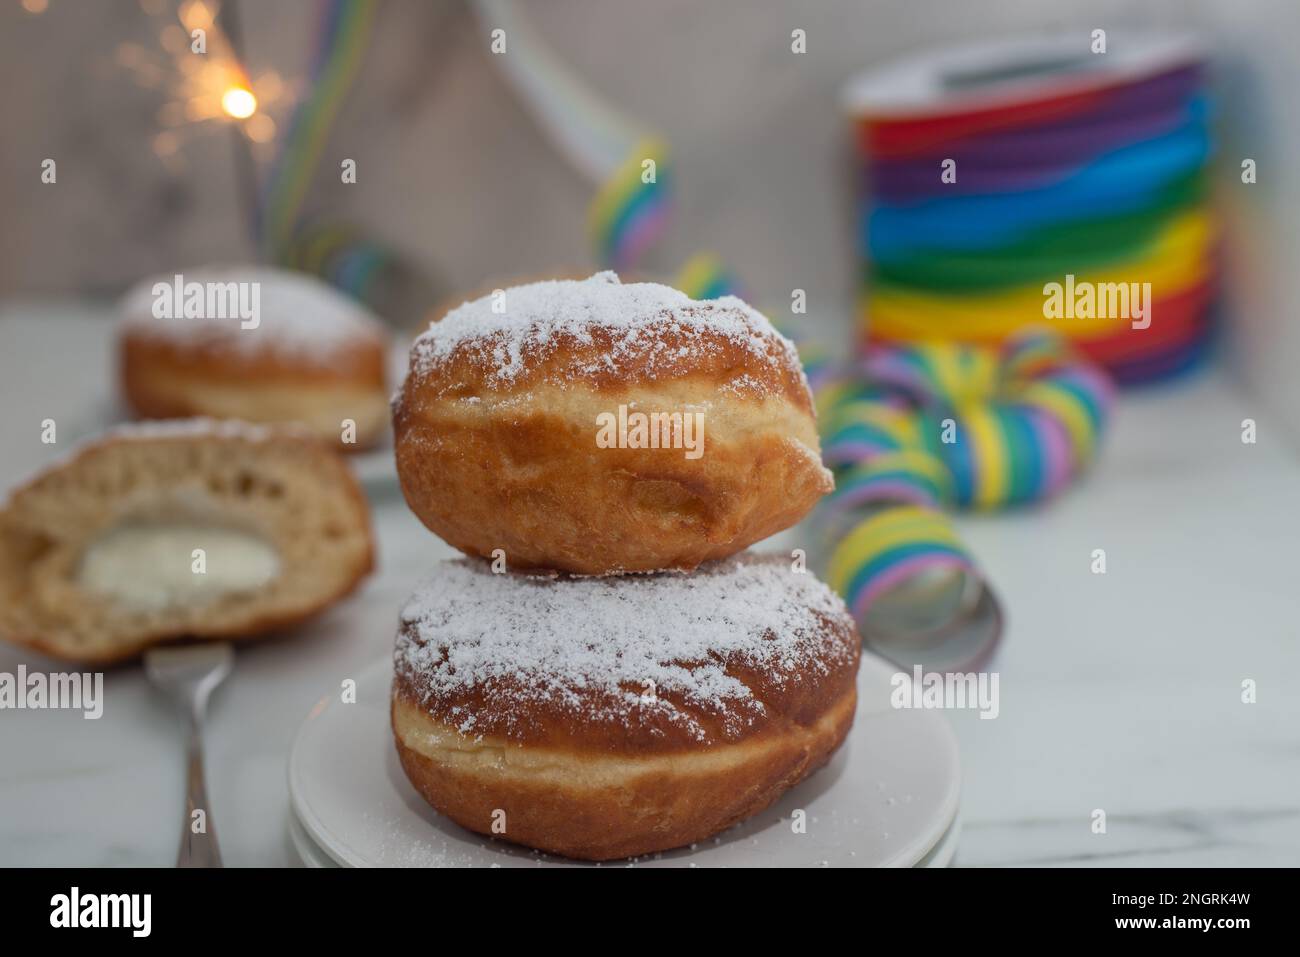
[
  {"x": 1010, "y": 427},
  {"x": 863, "y": 428},
  {"x": 929, "y": 426},
  {"x": 342, "y": 38},
  {"x": 339, "y": 254},
  {"x": 594, "y": 137},
  {"x": 630, "y": 211},
  {"x": 705, "y": 277},
  {"x": 890, "y": 547},
  {"x": 819, "y": 365},
  {"x": 629, "y": 214},
  {"x": 911, "y": 476}
]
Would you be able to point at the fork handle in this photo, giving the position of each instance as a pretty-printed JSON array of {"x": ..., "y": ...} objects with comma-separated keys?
[{"x": 197, "y": 850}]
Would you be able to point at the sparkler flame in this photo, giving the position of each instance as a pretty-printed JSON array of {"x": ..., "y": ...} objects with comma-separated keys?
[
  {"x": 204, "y": 82},
  {"x": 239, "y": 102}
]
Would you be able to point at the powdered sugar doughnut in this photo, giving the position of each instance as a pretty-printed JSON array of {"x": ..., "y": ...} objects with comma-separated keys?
[
  {"x": 601, "y": 717},
  {"x": 598, "y": 427},
  {"x": 258, "y": 344}
]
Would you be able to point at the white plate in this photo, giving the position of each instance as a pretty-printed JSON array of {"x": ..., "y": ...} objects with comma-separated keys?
[
  {"x": 308, "y": 851},
  {"x": 310, "y": 854},
  {"x": 941, "y": 855},
  {"x": 886, "y": 799}
]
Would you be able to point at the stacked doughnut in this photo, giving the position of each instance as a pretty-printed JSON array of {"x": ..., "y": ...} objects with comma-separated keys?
[
  {"x": 1030, "y": 179},
  {"x": 562, "y": 435}
]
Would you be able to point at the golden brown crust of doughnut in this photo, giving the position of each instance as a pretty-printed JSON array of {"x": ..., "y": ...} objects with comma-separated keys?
[
  {"x": 33, "y": 527},
  {"x": 614, "y": 805},
  {"x": 362, "y": 364},
  {"x": 166, "y": 379},
  {"x": 534, "y": 484}
]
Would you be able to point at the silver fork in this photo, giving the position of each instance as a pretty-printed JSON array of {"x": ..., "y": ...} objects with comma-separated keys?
[{"x": 190, "y": 674}]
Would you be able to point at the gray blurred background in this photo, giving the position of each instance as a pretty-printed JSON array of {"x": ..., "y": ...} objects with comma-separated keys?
[{"x": 454, "y": 174}]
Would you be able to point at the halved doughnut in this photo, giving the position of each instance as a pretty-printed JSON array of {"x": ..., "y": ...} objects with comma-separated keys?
[{"x": 181, "y": 529}]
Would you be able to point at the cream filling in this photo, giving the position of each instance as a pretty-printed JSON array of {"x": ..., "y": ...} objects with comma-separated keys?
[{"x": 156, "y": 566}]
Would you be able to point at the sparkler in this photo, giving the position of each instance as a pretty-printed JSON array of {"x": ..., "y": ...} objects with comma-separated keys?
[{"x": 199, "y": 67}]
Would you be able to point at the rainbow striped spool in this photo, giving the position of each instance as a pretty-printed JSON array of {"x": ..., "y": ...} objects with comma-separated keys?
[{"x": 1047, "y": 163}]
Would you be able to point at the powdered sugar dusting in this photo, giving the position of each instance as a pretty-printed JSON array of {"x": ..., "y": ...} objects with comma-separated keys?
[
  {"x": 529, "y": 322},
  {"x": 593, "y": 646},
  {"x": 298, "y": 314}
]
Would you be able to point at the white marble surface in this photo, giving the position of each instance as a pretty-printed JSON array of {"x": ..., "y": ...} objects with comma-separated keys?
[{"x": 1119, "y": 692}]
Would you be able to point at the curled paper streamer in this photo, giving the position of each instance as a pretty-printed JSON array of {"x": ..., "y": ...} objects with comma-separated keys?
[{"x": 915, "y": 431}]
